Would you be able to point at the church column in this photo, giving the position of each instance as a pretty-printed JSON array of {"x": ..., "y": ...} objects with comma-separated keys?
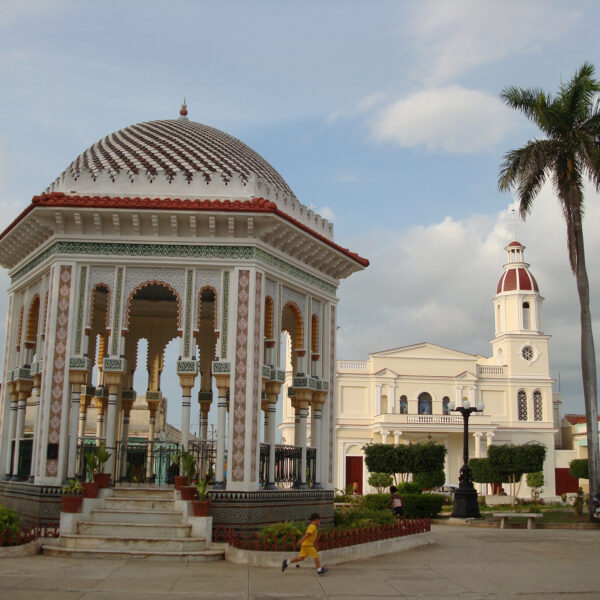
[
  {"x": 489, "y": 439},
  {"x": 76, "y": 378},
  {"x": 397, "y": 436},
  {"x": 392, "y": 408},
  {"x": 477, "y": 436},
  {"x": 23, "y": 387},
  {"x": 377, "y": 399},
  {"x": 222, "y": 381},
  {"x": 384, "y": 436}
]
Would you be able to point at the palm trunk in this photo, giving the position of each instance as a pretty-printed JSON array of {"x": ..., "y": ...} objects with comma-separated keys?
[{"x": 588, "y": 358}]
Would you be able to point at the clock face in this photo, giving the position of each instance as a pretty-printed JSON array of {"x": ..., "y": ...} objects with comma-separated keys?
[{"x": 527, "y": 353}]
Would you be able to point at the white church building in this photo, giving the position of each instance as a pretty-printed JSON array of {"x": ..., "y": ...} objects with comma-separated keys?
[{"x": 402, "y": 395}]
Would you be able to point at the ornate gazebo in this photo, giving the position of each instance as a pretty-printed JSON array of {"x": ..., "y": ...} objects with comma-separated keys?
[{"x": 171, "y": 229}]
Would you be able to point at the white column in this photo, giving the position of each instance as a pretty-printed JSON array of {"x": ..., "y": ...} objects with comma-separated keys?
[
  {"x": 186, "y": 403},
  {"x": 489, "y": 439},
  {"x": 73, "y": 430},
  {"x": 477, "y": 437},
  {"x": 377, "y": 399},
  {"x": 384, "y": 436},
  {"x": 392, "y": 400},
  {"x": 303, "y": 416},
  {"x": 20, "y": 426},
  {"x": 397, "y": 435},
  {"x": 272, "y": 406},
  {"x": 36, "y": 431},
  {"x": 111, "y": 447},
  {"x": 221, "y": 424},
  {"x": 315, "y": 434},
  {"x": 12, "y": 427}
]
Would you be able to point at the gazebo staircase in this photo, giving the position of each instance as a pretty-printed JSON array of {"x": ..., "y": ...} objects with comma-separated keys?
[{"x": 141, "y": 523}]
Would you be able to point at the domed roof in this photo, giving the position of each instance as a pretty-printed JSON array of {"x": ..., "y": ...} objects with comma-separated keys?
[
  {"x": 516, "y": 276},
  {"x": 517, "y": 279},
  {"x": 185, "y": 155}
]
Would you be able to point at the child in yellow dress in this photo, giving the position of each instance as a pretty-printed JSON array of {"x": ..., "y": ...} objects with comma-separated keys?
[{"x": 307, "y": 546}]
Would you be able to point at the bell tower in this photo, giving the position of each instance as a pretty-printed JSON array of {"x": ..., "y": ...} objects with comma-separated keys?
[{"x": 519, "y": 342}]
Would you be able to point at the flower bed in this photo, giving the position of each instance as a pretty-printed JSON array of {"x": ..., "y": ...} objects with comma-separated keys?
[
  {"x": 328, "y": 539},
  {"x": 18, "y": 537}
]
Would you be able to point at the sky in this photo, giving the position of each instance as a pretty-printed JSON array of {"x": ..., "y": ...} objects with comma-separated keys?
[{"x": 384, "y": 116}]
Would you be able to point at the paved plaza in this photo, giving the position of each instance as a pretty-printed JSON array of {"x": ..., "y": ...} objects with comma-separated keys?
[{"x": 469, "y": 563}]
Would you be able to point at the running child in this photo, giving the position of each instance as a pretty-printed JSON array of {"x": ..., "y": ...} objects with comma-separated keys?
[{"x": 307, "y": 546}]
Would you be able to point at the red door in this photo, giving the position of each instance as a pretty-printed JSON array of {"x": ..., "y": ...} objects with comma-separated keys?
[
  {"x": 354, "y": 472},
  {"x": 565, "y": 482}
]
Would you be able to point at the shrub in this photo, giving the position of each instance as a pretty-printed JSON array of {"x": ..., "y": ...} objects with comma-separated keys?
[
  {"x": 361, "y": 517},
  {"x": 279, "y": 531},
  {"x": 419, "y": 506},
  {"x": 578, "y": 468},
  {"x": 408, "y": 487},
  {"x": 536, "y": 482},
  {"x": 429, "y": 480},
  {"x": 9, "y": 523},
  {"x": 376, "y": 501},
  {"x": 380, "y": 481}
]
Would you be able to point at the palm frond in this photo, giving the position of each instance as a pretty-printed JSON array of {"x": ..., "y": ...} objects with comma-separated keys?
[{"x": 533, "y": 103}]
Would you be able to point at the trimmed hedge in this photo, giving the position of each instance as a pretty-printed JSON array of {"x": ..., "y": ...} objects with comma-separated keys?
[
  {"x": 408, "y": 487},
  {"x": 361, "y": 517},
  {"x": 419, "y": 506},
  {"x": 376, "y": 501}
]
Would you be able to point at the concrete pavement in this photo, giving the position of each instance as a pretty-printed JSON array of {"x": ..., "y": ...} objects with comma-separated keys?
[{"x": 465, "y": 563}]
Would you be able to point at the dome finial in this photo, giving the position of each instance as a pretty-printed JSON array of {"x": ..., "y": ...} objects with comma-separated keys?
[{"x": 183, "y": 111}]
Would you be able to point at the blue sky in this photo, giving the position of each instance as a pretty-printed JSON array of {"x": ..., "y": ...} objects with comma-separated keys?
[{"x": 384, "y": 116}]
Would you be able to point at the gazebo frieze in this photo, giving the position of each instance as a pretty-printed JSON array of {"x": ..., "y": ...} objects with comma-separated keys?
[
  {"x": 214, "y": 252},
  {"x": 80, "y": 363},
  {"x": 277, "y": 375},
  {"x": 114, "y": 365},
  {"x": 266, "y": 372},
  {"x": 205, "y": 396},
  {"x": 101, "y": 392},
  {"x": 187, "y": 367},
  {"x": 153, "y": 396},
  {"x": 322, "y": 385},
  {"x": 87, "y": 390},
  {"x": 221, "y": 367},
  {"x": 128, "y": 394}
]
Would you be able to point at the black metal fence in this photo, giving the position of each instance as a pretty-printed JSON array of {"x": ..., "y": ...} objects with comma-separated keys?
[
  {"x": 288, "y": 460},
  {"x": 25, "y": 452},
  {"x": 155, "y": 463}
]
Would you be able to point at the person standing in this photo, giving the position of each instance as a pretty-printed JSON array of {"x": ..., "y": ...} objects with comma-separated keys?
[{"x": 396, "y": 502}]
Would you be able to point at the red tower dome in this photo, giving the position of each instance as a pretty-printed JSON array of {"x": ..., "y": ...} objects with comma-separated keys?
[{"x": 516, "y": 276}]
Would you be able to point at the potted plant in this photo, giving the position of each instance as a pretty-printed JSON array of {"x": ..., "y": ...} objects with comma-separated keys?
[
  {"x": 178, "y": 478},
  {"x": 100, "y": 477},
  {"x": 71, "y": 499},
  {"x": 188, "y": 470},
  {"x": 90, "y": 487},
  {"x": 201, "y": 504}
]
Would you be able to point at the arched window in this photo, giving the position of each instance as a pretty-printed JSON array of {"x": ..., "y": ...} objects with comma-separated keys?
[
  {"x": 403, "y": 405},
  {"x": 522, "y": 405},
  {"x": 526, "y": 316},
  {"x": 424, "y": 403},
  {"x": 445, "y": 403},
  {"x": 537, "y": 406}
]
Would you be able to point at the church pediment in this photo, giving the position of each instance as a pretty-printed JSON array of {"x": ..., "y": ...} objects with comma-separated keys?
[
  {"x": 424, "y": 350},
  {"x": 466, "y": 376},
  {"x": 386, "y": 373}
]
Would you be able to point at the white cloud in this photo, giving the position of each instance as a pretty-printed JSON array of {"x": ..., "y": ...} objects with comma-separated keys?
[
  {"x": 449, "y": 119},
  {"x": 436, "y": 284},
  {"x": 364, "y": 105},
  {"x": 453, "y": 37}
]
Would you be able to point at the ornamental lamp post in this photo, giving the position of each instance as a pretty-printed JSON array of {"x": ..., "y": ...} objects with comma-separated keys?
[{"x": 465, "y": 497}]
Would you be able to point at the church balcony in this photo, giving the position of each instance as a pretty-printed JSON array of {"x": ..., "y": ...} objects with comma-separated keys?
[
  {"x": 491, "y": 370},
  {"x": 420, "y": 421}
]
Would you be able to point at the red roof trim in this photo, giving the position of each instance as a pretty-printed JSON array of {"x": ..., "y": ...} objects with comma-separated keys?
[
  {"x": 577, "y": 419},
  {"x": 58, "y": 199}
]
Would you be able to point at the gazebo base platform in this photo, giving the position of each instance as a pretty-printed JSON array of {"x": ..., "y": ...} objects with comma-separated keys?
[
  {"x": 37, "y": 505},
  {"x": 249, "y": 511}
]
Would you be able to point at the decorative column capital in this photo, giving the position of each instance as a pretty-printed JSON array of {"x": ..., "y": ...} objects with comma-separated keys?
[
  {"x": 478, "y": 434},
  {"x": 187, "y": 367}
]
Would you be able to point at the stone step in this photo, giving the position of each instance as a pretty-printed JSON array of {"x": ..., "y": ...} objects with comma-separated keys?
[
  {"x": 194, "y": 556},
  {"x": 144, "y": 492},
  {"x": 134, "y": 504},
  {"x": 136, "y": 516},
  {"x": 134, "y": 530},
  {"x": 157, "y": 545}
]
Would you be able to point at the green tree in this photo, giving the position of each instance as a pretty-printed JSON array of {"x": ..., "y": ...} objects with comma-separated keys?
[
  {"x": 579, "y": 468},
  {"x": 428, "y": 480},
  {"x": 483, "y": 471},
  {"x": 380, "y": 481},
  {"x": 512, "y": 461},
  {"x": 567, "y": 154},
  {"x": 536, "y": 482}
]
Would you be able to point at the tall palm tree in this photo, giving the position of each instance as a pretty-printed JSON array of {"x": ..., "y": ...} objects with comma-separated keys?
[{"x": 567, "y": 154}]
